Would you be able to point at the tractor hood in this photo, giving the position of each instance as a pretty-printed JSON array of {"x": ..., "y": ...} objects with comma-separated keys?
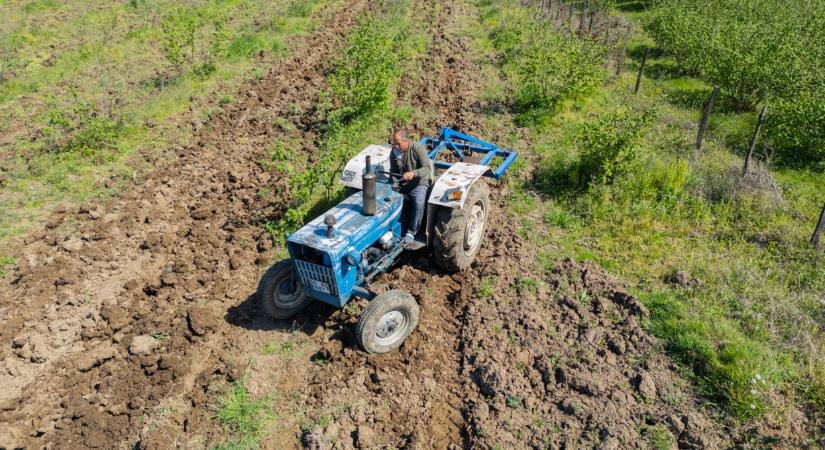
[{"x": 353, "y": 230}]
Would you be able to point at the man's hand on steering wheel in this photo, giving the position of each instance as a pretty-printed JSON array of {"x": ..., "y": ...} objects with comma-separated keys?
[{"x": 408, "y": 176}]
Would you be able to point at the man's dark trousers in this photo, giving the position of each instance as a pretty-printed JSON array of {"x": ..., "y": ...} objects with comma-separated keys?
[{"x": 418, "y": 201}]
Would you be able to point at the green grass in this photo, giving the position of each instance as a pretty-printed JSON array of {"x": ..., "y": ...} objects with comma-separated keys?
[
  {"x": 245, "y": 415},
  {"x": 485, "y": 288},
  {"x": 729, "y": 368},
  {"x": 5, "y": 262},
  {"x": 659, "y": 437},
  {"x": 107, "y": 57},
  {"x": 757, "y": 307}
]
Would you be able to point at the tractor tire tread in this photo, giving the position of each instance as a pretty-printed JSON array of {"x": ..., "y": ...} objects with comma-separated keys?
[
  {"x": 448, "y": 242},
  {"x": 380, "y": 305},
  {"x": 265, "y": 287}
]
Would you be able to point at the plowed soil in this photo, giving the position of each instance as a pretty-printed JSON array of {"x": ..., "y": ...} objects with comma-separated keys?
[{"x": 125, "y": 321}]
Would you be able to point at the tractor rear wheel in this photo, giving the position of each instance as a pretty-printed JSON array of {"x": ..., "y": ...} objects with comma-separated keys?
[
  {"x": 459, "y": 232},
  {"x": 280, "y": 292},
  {"x": 387, "y": 321}
]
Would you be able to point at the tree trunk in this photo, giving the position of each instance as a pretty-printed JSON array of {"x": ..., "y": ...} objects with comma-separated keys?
[
  {"x": 818, "y": 230},
  {"x": 703, "y": 125},
  {"x": 755, "y": 136},
  {"x": 641, "y": 70}
]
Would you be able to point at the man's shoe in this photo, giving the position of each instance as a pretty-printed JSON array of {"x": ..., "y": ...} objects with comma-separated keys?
[{"x": 411, "y": 244}]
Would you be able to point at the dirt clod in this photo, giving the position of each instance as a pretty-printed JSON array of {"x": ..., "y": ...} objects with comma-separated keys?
[
  {"x": 202, "y": 320},
  {"x": 72, "y": 245},
  {"x": 143, "y": 345},
  {"x": 646, "y": 385},
  {"x": 364, "y": 436},
  {"x": 95, "y": 357},
  {"x": 116, "y": 316}
]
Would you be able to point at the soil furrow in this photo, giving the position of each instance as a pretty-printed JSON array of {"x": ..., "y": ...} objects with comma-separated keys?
[
  {"x": 411, "y": 398},
  {"x": 127, "y": 320},
  {"x": 119, "y": 337}
]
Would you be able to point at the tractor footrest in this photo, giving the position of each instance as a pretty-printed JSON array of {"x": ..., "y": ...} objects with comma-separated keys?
[{"x": 415, "y": 246}]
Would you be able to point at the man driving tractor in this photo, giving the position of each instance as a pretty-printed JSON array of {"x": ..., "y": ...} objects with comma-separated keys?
[{"x": 412, "y": 161}]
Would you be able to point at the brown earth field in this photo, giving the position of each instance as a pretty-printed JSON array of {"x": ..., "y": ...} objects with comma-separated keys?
[{"x": 125, "y": 322}]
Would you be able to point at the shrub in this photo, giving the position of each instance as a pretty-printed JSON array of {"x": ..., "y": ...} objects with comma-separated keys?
[
  {"x": 80, "y": 128},
  {"x": 360, "y": 83},
  {"x": 796, "y": 128},
  {"x": 547, "y": 69},
  {"x": 178, "y": 37},
  {"x": 220, "y": 37},
  {"x": 609, "y": 145}
]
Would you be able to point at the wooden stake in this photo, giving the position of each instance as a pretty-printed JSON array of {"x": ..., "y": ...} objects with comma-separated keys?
[
  {"x": 641, "y": 70},
  {"x": 703, "y": 124},
  {"x": 755, "y": 136},
  {"x": 620, "y": 64},
  {"x": 819, "y": 227}
]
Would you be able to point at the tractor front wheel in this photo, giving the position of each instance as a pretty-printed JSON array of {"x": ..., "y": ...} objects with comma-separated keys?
[
  {"x": 387, "y": 321},
  {"x": 280, "y": 292},
  {"x": 459, "y": 232}
]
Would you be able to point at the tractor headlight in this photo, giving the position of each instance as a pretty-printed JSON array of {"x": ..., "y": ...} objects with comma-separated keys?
[{"x": 352, "y": 258}]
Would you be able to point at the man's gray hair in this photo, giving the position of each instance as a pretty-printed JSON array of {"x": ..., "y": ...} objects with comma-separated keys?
[{"x": 401, "y": 133}]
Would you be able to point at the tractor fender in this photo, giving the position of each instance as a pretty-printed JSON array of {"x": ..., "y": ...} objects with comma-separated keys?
[
  {"x": 379, "y": 160},
  {"x": 451, "y": 188}
]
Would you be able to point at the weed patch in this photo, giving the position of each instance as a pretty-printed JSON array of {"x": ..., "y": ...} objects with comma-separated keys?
[
  {"x": 6, "y": 262},
  {"x": 244, "y": 415},
  {"x": 730, "y": 369}
]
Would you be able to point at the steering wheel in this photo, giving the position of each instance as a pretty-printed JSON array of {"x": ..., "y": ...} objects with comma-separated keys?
[
  {"x": 391, "y": 174},
  {"x": 396, "y": 184}
]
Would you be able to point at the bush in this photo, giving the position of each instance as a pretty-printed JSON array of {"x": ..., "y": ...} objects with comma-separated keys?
[
  {"x": 547, "y": 68},
  {"x": 360, "y": 83},
  {"x": 79, "y": 128},
  {"x": 796, "y": 128},
  {"x": 178, "y": 37},
  {"x": 609, "y": 145}
]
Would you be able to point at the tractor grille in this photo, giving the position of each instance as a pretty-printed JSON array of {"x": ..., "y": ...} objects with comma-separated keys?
[{"x": 317, "y": 277}]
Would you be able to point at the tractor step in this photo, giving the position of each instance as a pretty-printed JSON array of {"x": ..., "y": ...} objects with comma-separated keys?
[{"x": 415, "y": 245}]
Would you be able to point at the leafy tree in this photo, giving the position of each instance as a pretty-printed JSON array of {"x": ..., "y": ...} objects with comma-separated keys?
[{"x": 753, "y": 50}]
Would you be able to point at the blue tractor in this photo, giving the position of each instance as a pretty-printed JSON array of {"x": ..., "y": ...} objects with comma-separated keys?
[{"x": 337, "y": 255}]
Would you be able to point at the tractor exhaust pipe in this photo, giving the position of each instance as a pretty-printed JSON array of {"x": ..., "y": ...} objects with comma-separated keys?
[{"x": 368, "y": 186}]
